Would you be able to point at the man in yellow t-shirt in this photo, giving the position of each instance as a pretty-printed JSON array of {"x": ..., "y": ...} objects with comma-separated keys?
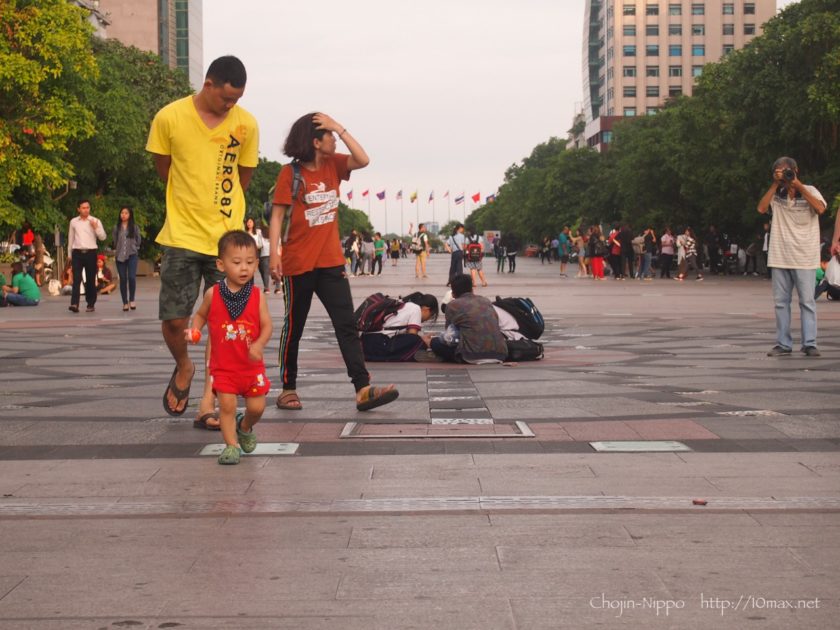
[{"x": 205, "y": 147}]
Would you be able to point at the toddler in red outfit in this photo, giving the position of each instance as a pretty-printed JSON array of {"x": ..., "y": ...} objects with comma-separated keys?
[{"x": 239, "y": 326}]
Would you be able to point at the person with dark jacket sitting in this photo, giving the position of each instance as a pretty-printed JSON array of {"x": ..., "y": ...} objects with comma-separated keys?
[{"x": 473, "y": 334}]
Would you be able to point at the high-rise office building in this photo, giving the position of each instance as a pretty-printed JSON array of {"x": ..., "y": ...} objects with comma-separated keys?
[
  {"x": 171, "y": 29},
  {"x": 638, "y": 53}
]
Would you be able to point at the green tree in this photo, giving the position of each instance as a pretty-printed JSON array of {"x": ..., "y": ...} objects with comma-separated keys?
[
  {"x": 263, "y": 181},
  {"x": 46, "y": 64}
]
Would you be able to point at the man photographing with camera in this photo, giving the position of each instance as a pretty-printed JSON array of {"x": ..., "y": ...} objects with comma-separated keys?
[{"x": 794, "y": 253}]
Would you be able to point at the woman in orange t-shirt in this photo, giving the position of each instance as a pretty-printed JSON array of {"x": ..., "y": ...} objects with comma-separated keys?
[{"x": 310, "y": 259}]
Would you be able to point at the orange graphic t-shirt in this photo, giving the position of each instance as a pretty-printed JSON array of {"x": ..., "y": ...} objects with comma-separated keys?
[{"x": 313, "y": 240}]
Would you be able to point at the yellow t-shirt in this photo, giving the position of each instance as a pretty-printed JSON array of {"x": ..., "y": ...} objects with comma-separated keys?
[{"x": 204, "y": 198}]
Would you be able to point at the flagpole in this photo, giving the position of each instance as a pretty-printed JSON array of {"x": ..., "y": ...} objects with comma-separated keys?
[
  {"x": 448, "y": 209},
  {"x": 402, "y": 217},
  {"x": 386, "y": 212}
]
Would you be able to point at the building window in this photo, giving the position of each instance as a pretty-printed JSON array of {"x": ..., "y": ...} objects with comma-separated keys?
[
  {"x": 629, "y": 9},
  {"x": 675, "y": 50},
  {"x": 607, "y": 136},
  {"x": 629, "y": 111},
  {"x": 629, "y": 71},
  {"x": 728, "y": 48},
  {"x": 629, "y": 90},
  {"x": 674, "y": 9},
  {"x": 698, "y": 9},
  {"x": 652, "y": 9},
  {"x": 652, "y": 50},
  {"x": 675, "y": 90},
  {"x": 609, "y": 57},
  {"x": 749, "y": 29},
  {"x": 698, "y": 29},
  {"x": 675, "y": 29},
  {"x": 728, "y": 8},
  {"x": 651, "y": 111},
  {"x": 630, "y": 31},
  {"x": 652, "y": 29},
  {"x": 652, "y": 90},
  {"x": 630, "y": 51},
  {"x": 610, "y": 94},
  {"x": 749, "y": 8},
  {"x": 652, "y": 71},
  {"x": 698, "y": 50},
  {"x": 609, "y": 74},
  {"x": 674, "y": 71},
  {"x": 728, "y": 29},
  {"x": 696, "y": 71}
]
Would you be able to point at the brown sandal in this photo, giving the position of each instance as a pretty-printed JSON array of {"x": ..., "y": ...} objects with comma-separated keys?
[{"x": 290, "y": 401}]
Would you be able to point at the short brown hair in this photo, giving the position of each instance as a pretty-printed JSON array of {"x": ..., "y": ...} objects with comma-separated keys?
[{"x": 236, "y": 238}]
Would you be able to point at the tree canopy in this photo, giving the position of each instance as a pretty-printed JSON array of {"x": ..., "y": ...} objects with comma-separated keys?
[{"x": 703, "y": 159}]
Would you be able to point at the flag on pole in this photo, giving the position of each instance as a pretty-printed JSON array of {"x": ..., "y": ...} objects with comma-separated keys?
[
  {"x": 459, "y": 199},
  {"x": 350, "y": 195},
  {"x": 413, "y": 197},
  {"x": 399, "y": 195},
  {"x": 365, "y": 193},
  {"x": 476, "y": 197},
  {"x": 380, "y": 195},
  {"x": 431, "y": 196},
  {"x": 446, "y": 194},
  {"x": 491, "y": 198}
]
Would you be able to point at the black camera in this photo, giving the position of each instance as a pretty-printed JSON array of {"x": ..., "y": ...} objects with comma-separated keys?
[{"x": 789, "y": 174}]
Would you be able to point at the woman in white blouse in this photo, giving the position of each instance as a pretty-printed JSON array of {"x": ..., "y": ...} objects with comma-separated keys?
[{"x": 400, "y": 338}]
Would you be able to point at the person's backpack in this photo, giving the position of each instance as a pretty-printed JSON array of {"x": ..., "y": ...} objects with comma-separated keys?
[
  {"x": 416, "y": 244},
  {"x": 297, "y": 184},
  {"x": 523, "y": 350},
  {"x": 527, "y": 315},
  {"x": 474, "y": 251},
  {"x": 638, "y": 245},
  {"x": 599, "y": 247},
  {"x": 371, "y": 314}
]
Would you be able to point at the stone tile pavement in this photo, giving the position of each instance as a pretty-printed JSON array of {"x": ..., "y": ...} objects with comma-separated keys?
[{"x": 110, "y": 518}]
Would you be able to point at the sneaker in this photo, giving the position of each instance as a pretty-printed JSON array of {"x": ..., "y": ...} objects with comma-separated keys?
[
  {"x": 778, "y": 351},
  {"x": 698, "y": 278},
  {"x": 229, "y": 456},
  {"x": 247, "y": 441},
  {"x": 811, "y": 351}
]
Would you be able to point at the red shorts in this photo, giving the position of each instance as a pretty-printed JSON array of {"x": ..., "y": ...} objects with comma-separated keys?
[{"x": 245, "y": 385}]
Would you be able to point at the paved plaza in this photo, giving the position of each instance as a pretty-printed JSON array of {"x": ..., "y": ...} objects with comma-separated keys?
[{"x": 476, "y": 501}]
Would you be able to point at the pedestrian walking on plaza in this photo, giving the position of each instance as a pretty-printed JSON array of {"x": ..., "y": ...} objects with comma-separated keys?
[
  {"x": 379, "y": 250},
  {"x": 511, "y": 244},
  {"x": 256, "y": 234},
  {"x": 205, "y": 198},
  {"x": 311, "y": 261},
  {"x": 666, "y": 253},
  {"x": 395, "y": 252},
  {"x": 126, "y": 239},
  {"x": 794, "y": 253},
  {"x": 564, "y": 248},
  {"x": 579, "y": 244},
  {"x": 689, "y": 262},
  {"x": 82, "y": 234},
  {"x": 597, "y": 250},
  {"x": 239, "y": 325},
  {"x": 648, "y": 250},
  {"x": 421, "y": 247},
  {"x": 455, "y": 246},
  {"x": 473, "y": 256},
  {"x": 500, "y": 252}
]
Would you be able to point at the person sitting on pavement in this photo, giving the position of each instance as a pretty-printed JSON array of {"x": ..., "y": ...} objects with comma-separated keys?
[
  {"x": 104, "y": 278},
  {"x": 473, "y": 334},
  {"x": 400, "y": 338},
  {"x": 23, "y": 291}
]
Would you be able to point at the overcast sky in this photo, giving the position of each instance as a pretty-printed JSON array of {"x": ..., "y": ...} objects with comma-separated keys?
[{"x": 444, "y": 95}]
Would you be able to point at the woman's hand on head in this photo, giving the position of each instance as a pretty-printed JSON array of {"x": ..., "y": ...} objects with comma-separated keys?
[{"x": 325, "y": 122}]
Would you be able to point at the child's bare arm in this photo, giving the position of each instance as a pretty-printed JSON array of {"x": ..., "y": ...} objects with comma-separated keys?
[
  {"x": 200, "y": 317},
  {"x": 258, "y": 345}
]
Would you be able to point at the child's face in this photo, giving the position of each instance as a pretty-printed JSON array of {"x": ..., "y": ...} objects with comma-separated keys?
[{"x": 238, "y": 264}]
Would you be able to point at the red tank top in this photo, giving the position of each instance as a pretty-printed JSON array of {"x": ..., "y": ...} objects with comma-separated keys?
[{"x": 230, "y": 338}]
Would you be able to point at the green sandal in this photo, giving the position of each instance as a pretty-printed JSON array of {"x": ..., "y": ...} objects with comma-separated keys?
[
  {"x": 230, "y": 455},
  {"x": 247, "y": 441}
]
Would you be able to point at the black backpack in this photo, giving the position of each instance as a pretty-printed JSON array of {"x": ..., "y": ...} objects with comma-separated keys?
[
  {"x": 371, "y": 314},
  {"x": 527, "y": 316},
  {"x": 523, "y": 350}
]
